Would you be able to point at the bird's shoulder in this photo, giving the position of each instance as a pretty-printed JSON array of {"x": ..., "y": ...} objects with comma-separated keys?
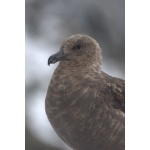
[{"x": 116, "y": 88}]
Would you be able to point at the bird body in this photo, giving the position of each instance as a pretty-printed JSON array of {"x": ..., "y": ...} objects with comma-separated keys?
[{"x": 84, "y": 105}]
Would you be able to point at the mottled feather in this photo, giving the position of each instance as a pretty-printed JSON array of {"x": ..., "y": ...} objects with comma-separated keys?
[{"x": 84, "y": 105}]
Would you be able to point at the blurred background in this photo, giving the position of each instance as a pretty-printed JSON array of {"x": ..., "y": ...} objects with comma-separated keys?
[{"x": 48, "y": 24}]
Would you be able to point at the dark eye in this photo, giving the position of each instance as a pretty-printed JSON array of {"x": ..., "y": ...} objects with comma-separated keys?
[{"x": 78, "y": 46}]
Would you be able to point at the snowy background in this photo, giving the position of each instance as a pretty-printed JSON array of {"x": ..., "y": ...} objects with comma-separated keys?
[{"x": 48, "y": 24}]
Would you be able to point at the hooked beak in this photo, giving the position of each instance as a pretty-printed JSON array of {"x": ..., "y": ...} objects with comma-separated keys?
[{"x": 56, "y": 57}]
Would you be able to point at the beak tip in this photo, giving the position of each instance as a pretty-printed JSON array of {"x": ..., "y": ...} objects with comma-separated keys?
[
  {"x": 48, "y": 63},
  {"x": 55, "y": 58},
  {"x": 50, "y": 60}
]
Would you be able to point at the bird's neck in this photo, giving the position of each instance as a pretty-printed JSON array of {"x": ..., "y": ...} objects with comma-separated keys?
[{"x": 86, "y": 68}]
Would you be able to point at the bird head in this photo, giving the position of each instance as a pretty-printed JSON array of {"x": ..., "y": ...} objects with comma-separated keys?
[{"x": 78, "y": 49}]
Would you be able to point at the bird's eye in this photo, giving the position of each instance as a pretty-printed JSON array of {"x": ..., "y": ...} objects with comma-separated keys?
[{"x": 78, "y": 46}]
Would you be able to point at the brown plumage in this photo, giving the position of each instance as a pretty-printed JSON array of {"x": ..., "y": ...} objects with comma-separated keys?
[{"x": 84, "y": 105}]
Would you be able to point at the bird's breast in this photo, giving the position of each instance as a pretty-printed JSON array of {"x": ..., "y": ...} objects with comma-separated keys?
[{"x": 76, "y": 112}]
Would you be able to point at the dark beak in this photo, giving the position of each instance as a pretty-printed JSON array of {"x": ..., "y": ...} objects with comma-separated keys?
[{"x": 56, "y": 57}]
